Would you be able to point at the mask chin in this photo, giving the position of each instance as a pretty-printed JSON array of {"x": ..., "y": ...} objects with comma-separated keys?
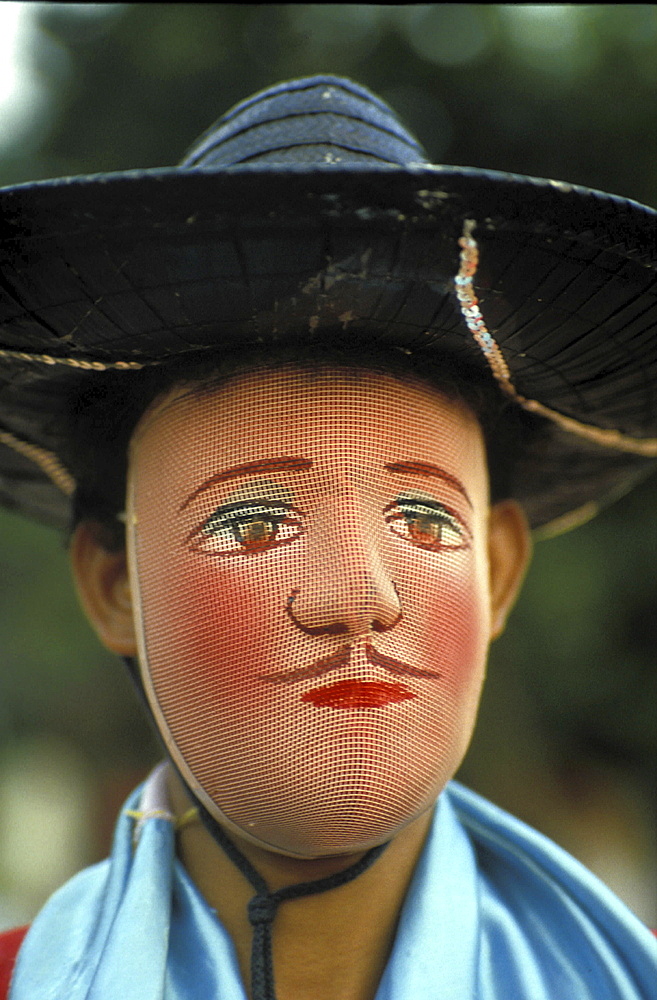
[{"x": 217, "y": 831}]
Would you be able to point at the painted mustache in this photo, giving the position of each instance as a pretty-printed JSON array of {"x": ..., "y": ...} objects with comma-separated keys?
[{"x": 340, "y": 658}]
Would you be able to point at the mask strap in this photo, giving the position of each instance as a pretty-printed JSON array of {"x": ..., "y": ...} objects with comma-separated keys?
[{"x": 262, "y": 908}]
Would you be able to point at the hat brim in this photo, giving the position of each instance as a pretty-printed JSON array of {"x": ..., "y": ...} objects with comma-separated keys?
[{"x": 142, "y": 266}]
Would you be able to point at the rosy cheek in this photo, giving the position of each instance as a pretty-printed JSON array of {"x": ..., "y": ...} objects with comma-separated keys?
[
  {"x": 208, "y": 633},
  {"x": 453, "y": 636}
]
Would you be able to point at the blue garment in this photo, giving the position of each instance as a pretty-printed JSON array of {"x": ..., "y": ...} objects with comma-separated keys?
[{"x": 495, "y": 911}]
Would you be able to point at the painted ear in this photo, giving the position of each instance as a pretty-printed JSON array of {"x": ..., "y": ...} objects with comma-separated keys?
[
  {"x": 509, "y": 553},
  {"x": 101, "y": 578}
]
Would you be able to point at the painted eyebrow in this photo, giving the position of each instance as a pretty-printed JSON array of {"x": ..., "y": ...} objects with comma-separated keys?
[
  {"x": 283, "y": 464},
  {"x": 427, "y": 469}
]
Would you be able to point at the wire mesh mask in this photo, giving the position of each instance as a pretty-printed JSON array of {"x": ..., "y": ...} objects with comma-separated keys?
[{"x": 309, "y": 572}]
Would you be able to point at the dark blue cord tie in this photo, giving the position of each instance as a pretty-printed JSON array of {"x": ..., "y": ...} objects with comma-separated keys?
[
  {"x": 262, "y": 910},
  {"x": 262, "y": 907}
]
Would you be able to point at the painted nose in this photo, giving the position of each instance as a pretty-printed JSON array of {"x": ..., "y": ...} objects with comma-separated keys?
[{"x": 348, "y": 590}]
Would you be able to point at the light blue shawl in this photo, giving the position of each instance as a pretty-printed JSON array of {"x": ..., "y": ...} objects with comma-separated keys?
[{"x": 495, "y": 911}]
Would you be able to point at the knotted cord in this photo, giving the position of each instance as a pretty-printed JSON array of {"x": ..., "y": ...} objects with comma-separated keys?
[{"x": 263, "y": 906}]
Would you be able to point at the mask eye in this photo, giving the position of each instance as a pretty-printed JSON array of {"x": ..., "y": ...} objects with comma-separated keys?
[
  {"x": 428, "y": 525},
  {"x": 247, "y": 528},
  {"x": 257, "y": 532}
]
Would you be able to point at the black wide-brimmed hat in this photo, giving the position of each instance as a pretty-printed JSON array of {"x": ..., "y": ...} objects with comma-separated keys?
[{"x": 309, "y": 214}]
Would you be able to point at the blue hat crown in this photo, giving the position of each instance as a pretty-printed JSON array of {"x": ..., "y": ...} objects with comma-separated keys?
[{"x": 319, "y": 120}]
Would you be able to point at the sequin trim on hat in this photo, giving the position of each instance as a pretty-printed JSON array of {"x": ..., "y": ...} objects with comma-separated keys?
[{"x": 469, "y": 304}]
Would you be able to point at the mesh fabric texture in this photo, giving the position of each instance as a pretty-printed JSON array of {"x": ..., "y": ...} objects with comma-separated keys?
[{"x": 308, "y": 558}]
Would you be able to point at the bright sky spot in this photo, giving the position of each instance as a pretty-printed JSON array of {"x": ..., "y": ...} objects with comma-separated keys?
[
  {"x": 21, "y": 95},
  {"x": 12, "y": 20},
  {"x": 9, "y": 25},
  {"x": 24, "y": 92}
]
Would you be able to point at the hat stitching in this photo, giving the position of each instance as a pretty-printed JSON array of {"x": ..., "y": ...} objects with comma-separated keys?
[
  {"x": 586, "y": 343},
  {"x": 469, "y": 305},
  {"x": 265, "y": 107},
  {"x": 336, "y": 86},
  {"x": 304, "y": 130},
  {"x": 328, "y": 158},
  {"x": 53, "y": 468},
  {"x": 362, "y": 123}
]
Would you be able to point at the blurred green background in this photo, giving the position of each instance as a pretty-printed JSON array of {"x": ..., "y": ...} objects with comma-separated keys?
[{"x": 568, "y": 729}]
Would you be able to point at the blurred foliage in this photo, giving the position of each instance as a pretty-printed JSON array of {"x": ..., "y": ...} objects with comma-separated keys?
[{"x": 566, "y": 91}]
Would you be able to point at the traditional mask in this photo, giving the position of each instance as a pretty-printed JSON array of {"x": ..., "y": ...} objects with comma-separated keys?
[{"x": 308, "y": 555}]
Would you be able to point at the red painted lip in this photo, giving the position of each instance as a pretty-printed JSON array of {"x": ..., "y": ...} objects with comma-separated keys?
[{"x": 357, "y": 694}]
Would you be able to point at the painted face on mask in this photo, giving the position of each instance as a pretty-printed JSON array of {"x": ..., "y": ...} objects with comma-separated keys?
[{"x": 309, "y": 565}]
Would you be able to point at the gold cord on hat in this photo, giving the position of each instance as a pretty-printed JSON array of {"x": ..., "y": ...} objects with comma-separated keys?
[
  {"x": 54, "y": 469},
  {"x": 82, "y": 363},
  {"x": 469, "y": 262},
  {"x": 46, "y": 460}
]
